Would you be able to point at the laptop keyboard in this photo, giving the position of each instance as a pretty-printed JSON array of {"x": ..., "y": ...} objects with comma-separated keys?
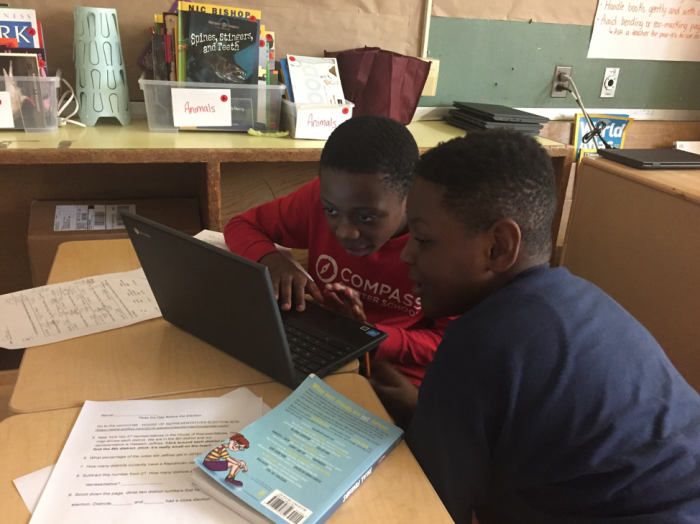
[{"x": 313, "y": 352}]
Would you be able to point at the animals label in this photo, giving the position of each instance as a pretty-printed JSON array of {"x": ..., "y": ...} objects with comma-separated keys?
[
  {"x": 6, "y": 119},
  {"x": 319, "y": 121},
  {"x": 194, "y": 107}
]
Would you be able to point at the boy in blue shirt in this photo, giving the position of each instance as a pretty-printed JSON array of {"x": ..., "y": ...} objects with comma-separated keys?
[{"x": 546, "y": 402}]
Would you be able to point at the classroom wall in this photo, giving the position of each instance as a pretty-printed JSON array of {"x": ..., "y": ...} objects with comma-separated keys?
[
  {"x": 512, "y": 63},
  {"x": 305, "y": 27}
]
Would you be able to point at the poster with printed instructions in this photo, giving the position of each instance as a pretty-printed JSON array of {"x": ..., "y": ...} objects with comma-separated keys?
[{"x": 646, "y": 30}]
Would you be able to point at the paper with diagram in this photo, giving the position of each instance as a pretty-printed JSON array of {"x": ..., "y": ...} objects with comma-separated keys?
[{"x": 59, "y": 312}]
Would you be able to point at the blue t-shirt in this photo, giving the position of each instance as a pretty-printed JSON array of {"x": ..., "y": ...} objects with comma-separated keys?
[{"x": 549, "y": 403}]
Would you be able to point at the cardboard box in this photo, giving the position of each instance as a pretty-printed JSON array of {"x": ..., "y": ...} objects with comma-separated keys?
[{"x": 43, "y": 241}]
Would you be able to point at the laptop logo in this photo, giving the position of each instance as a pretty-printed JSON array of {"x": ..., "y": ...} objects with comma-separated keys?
[{"x": 141, "y": 233}]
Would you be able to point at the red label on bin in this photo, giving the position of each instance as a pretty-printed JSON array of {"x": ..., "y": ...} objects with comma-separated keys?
[{"x": 224, "y": 98}]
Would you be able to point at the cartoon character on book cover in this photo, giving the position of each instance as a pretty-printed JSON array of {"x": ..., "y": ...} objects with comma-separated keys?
[
  {"x": 219, "y": 459},
  {"x": 222, "y": 49}
]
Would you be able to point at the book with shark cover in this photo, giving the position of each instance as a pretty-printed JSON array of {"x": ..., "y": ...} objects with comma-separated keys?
[
  {"x": 222, "y": 49},
  {"x": 184, "y": 11}
]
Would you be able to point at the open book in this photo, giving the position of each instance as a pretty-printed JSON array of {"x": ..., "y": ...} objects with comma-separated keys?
[{"x": 301, "y": 461}]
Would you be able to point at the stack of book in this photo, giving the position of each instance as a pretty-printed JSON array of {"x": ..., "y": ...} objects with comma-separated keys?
[
  {"x": 22, "y": 55},
  {"x": 479, "y": 117},
  {"x": 208, "y": 43}
]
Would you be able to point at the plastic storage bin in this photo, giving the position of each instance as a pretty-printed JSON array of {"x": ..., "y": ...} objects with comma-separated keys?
[
  {"x": 252, "y": 106},
  {"x": 314, "y": 121},
  {"x": 34, "y": 101}
]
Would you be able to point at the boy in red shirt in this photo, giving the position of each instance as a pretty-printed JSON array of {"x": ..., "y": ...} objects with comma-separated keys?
[{"x": 352, "y": 219}]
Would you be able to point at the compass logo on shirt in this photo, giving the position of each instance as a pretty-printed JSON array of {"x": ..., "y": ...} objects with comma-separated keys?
[{"x": 326, "y": 269}]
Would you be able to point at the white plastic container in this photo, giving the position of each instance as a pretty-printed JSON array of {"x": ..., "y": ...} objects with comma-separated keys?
[
  {"x": 34, "y": 101},
  {"x": 252, "y": 106},
  {"x": 314, "y": 121}
]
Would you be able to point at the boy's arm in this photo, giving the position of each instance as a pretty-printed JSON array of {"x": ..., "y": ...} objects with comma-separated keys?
[
  {"x": 413, "y": 345},
  {"x": 283, "y": 221}
]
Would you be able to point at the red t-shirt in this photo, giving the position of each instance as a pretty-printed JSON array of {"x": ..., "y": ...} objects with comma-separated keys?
[{"x": 298, "y": 221}]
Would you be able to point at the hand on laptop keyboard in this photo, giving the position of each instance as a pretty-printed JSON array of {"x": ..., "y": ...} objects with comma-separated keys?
[
  {"x": 289, "y": 283},
  {"x": 344, "y": 300}
]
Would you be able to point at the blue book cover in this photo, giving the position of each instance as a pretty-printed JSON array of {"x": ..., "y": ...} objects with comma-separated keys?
[
  {"x": 287, "y": 81},
  {"x": 301, "y": 461},
  {"x": 20, "y": 24}
]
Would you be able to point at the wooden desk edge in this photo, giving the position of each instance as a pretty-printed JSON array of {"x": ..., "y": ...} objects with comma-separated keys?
[{"x": 8, "y": 490}]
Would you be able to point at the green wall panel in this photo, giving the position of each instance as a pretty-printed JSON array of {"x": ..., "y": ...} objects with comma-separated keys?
[{"x": 512, "y": 63}]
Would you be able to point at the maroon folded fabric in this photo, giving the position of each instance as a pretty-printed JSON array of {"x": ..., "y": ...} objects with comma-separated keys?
[{"x": 381, "y": 82}]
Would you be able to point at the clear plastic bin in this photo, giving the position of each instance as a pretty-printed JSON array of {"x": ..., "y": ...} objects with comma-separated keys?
[
  {"x": 323, "y": 117},
  {"x": 34, "y": 101},
  {"x": 252, "y": 106}
]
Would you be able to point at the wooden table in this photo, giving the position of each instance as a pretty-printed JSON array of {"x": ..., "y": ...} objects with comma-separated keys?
[
  {"x": 634, "y": 233},
  {"x": 115, "y": 162},
  {"x": 144, "y": 360},
  {"x": 396, "y": 492}
]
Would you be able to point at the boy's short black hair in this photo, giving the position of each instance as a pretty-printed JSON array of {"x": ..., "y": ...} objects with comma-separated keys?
[
  {"x": 497, "y": 174},
  {"x": 371, "y": 144}
]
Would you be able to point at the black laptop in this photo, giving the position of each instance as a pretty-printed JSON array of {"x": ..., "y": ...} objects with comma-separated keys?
[
  {"x": 228, "y": 302},
  {"x": 499, "y": 113},
  {"x": 653, "y": 158}
]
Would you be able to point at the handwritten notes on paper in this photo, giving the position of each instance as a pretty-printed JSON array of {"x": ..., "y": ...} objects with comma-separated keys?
[
  {"x": 647, "y": 30},
  {"x": 72, "y": 309},
  {"x": 194, "y": 107}
]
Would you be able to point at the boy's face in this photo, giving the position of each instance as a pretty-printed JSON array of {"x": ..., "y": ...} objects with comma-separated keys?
[
  {"x": 448, "y": 263},
  {"x": 234, "y": 446},
  {"x": 361, "y": 212}
]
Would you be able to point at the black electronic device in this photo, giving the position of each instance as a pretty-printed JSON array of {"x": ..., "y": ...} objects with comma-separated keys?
[{"x": 228, "y": 302}]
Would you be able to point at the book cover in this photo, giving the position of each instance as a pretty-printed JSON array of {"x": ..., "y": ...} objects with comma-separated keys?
[
  {"x": 315, "y": 80},
  {"x": 301, "y": 461},
  {"x": 222, "y": 49},
  {"x": 20, "y": 24},
  {"x": 20, "y": 78},
  {"x": 284, "y": 74},
  {"x": 39, "y": 52},
  {"x": 184, "y": 9}
]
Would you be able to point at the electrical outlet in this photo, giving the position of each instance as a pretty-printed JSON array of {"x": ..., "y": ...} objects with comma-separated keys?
[
  {"x": 557, "y": 81},
  {"x": 609, "y": 82}
]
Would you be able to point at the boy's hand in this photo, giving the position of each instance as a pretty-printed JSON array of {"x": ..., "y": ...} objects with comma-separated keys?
[
  {"x": 288, "y": 281},
  {"x": 396, "y": 392},
  {"x": 345, "y": 300}
]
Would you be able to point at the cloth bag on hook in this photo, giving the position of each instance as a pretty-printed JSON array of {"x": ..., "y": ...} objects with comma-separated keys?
[{"x": 382, "y": 82}]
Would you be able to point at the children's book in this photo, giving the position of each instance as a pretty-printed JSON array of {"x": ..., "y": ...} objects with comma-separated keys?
[
  {"x": 315, "y": 80},
  {"x": 20, "y": 24},
  {"x": 26, "y": 96},
  {"x": 284, "y": 75},
  {"x": 184, "y": 10},
  {"x": 301, "y": 461},
  {"x": 222, "y": 49}
]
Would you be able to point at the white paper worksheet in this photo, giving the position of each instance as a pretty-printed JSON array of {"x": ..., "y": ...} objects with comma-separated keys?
[
  {"x": 131, "y": 461},
  {"x": 58, "y": 312},
  {"x": 32, "y": 486}
]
